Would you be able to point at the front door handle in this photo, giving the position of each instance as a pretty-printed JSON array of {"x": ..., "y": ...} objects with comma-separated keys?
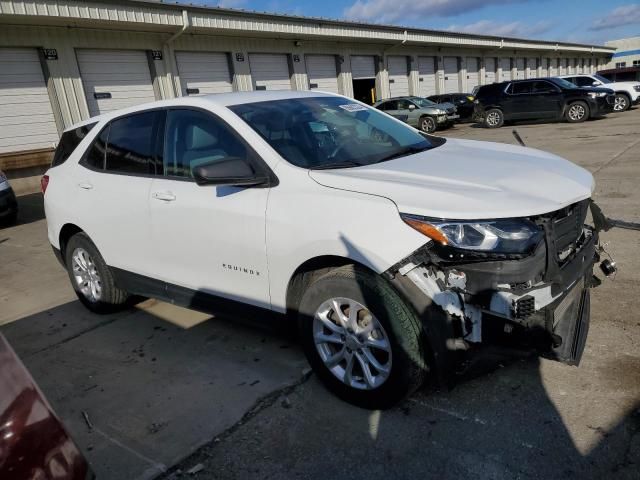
[
  {"x": 85, "y": 186},
  {"x": 164, "y": 196}
]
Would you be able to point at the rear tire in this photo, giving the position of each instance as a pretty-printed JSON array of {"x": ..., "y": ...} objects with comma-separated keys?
[
  {"x": 494, "y": 118},
  {"x": 91, "y": 278},
  {"x": 427, "y": 124},
  {"x": 622, "y": 102},
  {"x": 375, "y": 328},
  {"x": 577, "y": 112}
]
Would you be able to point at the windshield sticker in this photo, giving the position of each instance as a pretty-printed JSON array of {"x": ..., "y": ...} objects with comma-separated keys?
[{"x": 352, "y": 107}]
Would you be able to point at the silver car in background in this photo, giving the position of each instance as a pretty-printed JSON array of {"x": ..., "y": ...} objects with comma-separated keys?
[{"x": 420, "y": 112}]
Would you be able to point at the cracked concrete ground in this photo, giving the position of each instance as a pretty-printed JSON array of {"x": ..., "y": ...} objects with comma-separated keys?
[{"x": 167, "y": 391}]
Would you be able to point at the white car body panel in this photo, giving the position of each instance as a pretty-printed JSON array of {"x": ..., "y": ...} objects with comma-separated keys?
[
  {"x": 617, "y": 87},
  {"x": 351, "y": 213},
  {"x": 446, "y": 182}
]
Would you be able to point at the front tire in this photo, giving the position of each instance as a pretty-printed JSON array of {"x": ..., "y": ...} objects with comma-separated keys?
[
  {"x": 577, "y": 112},
  {"x": 622, "y": 103},
  {"x": 494, "y": 118},
  {"x": 90, "y": 276},
  {"x": 427, "y": 124},
  {"x": 362, "y": 340}
]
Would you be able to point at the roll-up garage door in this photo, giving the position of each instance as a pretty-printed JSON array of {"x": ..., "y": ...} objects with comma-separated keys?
[
  {"x": 505, "y": 64},
  {"x": 473, "y": 77},
  {"x": 571, "y": 66},
  {"x": 489, "y": 70},
  {"x": 115, "y": 79},
  {"x": 553, "y": 67},
  {"x": 563, "y": 66},
  {"x": 451, "y": 77},
  {"x": 519, "y": 68},
  {"x": 544, "y": 67},
  {"x": 203, "y": 73},
  {"x": 322, "y": 72},
  {"x": 26, "y": 117},
  {"x": 532, "y": 67},
  {"x": 270, "y": 71},
  {"x": 363, "y": 66},
  {"x": 427, "y": 76},
  {"x": 398, "y": 68}
]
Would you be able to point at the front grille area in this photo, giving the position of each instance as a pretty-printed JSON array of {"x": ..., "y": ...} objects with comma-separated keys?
[{"x": 567, "y": 228}]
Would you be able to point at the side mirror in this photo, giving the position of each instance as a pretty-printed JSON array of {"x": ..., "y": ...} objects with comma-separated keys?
[
  {"x": 412, "y": 106},
  {"x": 596, "y": 83},
  {"x": 232, "y": 171}
]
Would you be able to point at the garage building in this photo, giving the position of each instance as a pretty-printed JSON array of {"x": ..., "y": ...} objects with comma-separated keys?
[{"x": 63, "y": 61}]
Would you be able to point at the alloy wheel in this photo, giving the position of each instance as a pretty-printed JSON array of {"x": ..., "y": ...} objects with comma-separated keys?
[
  {"x": 620, "y": 103},
  {"x": 352, "y": 343},
  {"x": 493, "y": 119},
  {"x": 428, "y": 125},
  {"x": 577, "y": 112},
  {"x": 86, "y": 275}
]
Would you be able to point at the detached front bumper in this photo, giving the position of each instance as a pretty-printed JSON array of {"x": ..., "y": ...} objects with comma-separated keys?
[{"x": 542, "y": 296}]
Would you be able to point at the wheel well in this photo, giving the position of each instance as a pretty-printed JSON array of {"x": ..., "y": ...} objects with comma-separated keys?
[
  {"x": 68, "y": 230},
  {"x": 305, "y": 273},
  {"x": 626, "y": 94}
]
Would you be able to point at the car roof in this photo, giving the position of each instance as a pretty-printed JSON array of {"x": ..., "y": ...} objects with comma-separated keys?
[{"x": 217, "y": 100}]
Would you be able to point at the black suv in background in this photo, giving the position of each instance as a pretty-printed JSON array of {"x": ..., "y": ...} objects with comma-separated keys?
[
  {"x": 538, "y": 99},
  {"x": 462, "y": 101}
]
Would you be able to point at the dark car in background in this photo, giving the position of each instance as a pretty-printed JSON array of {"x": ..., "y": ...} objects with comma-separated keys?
[
  {"x": 462, "y": 101},
  {"x": 540, "y": 99},
  {"x": 8, "y": 202},
  {"x": 33, "y": 442}
]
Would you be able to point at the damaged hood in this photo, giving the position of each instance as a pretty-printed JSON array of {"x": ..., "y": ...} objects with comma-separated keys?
[{"x": 464, "y": 179}]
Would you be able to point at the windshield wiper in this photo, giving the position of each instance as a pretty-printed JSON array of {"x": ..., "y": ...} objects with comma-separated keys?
[
  {"x": 403, "y": 153},
  {"x": 341, "y": 164}
]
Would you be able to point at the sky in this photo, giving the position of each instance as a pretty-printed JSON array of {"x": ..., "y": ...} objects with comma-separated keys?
[{"x": 581, "y": 21}]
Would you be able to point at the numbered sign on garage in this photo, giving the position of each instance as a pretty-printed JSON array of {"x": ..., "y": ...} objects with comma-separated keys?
[
  {"x": 427, "y": 76},
  {"x": 204, "y": 73},
  {"x": 473, "y": 78},
  {"x": 398, "y": 68},
  {"x": 451, "y": 77},
  {"x": 115, "y": 79},
  {"x": 322, "y": 73},
  {"x": 26, "y": 117},
  {"x": 270, "y": 71}
]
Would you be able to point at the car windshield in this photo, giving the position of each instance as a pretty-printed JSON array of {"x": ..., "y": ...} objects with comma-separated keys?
[
  {"x": 602, "y": 79},
  {"x": 330, "y": 132},
  {"x": 563, "y": 83},
  {"x": 422, "y": 102}
]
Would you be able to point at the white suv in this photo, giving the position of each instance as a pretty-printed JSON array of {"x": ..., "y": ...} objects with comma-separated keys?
[
  {"x": 395, "y": 251},
  {"x": 627, "y": 93}
]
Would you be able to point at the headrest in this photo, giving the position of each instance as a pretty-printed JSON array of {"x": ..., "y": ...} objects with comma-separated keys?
[{"x": 199, "y": 137}]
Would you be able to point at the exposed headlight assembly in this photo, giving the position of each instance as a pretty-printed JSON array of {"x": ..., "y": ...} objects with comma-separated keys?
[{"x": 512, "y": 235}]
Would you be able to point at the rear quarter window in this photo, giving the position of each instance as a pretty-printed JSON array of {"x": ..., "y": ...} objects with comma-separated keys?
[{"x": 69, "y": 142}]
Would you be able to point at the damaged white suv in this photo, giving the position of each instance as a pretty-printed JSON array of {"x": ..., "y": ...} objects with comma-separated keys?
[{"x": 394, "y": 250}]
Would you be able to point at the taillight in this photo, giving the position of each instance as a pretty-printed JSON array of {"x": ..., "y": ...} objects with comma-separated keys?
[{"x": 44, "y": 183}]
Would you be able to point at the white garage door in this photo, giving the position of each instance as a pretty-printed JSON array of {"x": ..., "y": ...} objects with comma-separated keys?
[
  {"x": 202, "y": 73},
  {"x": 505, "y": 65},
  {"x": 544, "y": 67},
  {"x": 270, "y": 71},
  {"x": 489, "y": 70},
  {"x": 532, "y": 67},
  {"x": 398, "y": 76},
  {"x": 451, "y": 77},
  {"x": 363, "y": 66},
  {"x": 26, "y": 118},
  {"x": 473, "y": 77},
  {"x": 114, "y": 79},
  {"x": 427, "y": 75},
  {"x": 563, "y": 66},
  {"x": 322, "y": 72},
  {"x": 519, "y": 68}
]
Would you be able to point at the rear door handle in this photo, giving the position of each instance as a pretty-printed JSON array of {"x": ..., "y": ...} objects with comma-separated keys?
[
  {"x": 85, "y": 186},
  {"x": 164, "y": 196}
]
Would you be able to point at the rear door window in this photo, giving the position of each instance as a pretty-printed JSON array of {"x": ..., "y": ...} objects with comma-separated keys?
[
  {"x": 521, "y": 88},
  {"x": 132, "y": 143},
  {"x": 68, "y": 143},
  {"x": 95, "y": 155}
]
